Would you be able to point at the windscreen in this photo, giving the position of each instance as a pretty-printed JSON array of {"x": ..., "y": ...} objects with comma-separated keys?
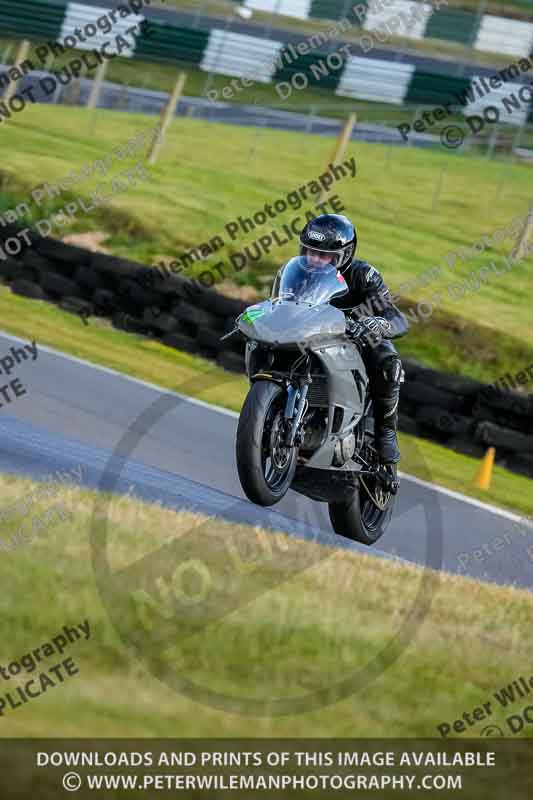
[{"x": 304, "y": 280}]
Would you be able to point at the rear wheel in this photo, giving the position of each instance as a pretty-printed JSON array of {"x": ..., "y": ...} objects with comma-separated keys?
[
  {"x": 266, "y": 468},
  {"x": 366, "y": 515}
]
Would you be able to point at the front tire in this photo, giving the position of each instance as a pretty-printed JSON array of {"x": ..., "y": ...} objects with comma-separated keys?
[
  {"x": 360, "y": 518},
  {"x": 266, "y": 470}
]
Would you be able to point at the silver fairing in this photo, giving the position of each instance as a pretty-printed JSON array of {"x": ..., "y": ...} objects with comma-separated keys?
[
  {"x": 347, "y": 388},
  {"x": 319, "y": 330},
  {"x": 289, "y": 322}
]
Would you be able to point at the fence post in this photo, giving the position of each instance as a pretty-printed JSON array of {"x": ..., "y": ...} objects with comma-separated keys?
[
  {"x": 96, "y": 88},
  {"x": 21, "y": 56},
  {"x": 49, "y": 63},
  {"x": 199, "y": 13},
  {"x": 492, "y": 142},
  {"x": 58, "y": 94},
  {"x": 123, "y": 98},
  {"x": 344, "y": 12},
  {"x": 75, "y": 92},
  {"x": 415, "y": 116},
  {"x": 438, "y": 187},
  {"x": 259, "y": 131},
  {"x": 520, "y": 246},
  {"x": 342, "y": 144},
  {"x": 309, "y": 125},
  {"x": 270, "y": 24},
  {"x": 482, "y": 7},
  {"x": 6, "y": 53},
  {"x": 166, "y": 117}
]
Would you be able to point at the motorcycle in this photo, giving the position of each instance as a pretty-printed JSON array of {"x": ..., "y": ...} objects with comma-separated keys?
[{"x": 306, "y": 422}]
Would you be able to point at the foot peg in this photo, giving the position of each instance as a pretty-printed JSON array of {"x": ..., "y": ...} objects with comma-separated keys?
[{"x": 387, "y": 476}]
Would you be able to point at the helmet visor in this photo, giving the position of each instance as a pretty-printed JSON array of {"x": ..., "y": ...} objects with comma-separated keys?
[
  {"x": 299, "y": 281},
  {"x": 317, "y": 258}
]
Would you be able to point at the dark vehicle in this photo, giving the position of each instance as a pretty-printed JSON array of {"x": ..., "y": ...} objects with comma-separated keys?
[{"x": 306, "y": 422}]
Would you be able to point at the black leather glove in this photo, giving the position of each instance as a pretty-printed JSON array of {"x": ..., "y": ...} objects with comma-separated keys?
[{"x": 370, "y": 330}]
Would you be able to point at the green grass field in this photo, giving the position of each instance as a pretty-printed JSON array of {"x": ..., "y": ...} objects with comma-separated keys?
[{"x": 295, "y": 624}]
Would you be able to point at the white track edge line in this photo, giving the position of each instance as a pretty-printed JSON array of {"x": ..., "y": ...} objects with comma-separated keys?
[{"x": 502, "y": 512}]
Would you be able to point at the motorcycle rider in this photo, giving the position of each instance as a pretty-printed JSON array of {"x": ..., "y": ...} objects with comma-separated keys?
[{"x": 371, "y": 317}]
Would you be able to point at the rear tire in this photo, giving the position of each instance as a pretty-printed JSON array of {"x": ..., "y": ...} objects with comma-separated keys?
[
  {"x": 359, "y": 518},
  {"x": 266, "y": 474}
]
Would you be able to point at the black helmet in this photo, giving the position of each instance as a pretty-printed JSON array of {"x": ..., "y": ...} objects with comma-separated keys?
[{"x": 330, "y": 233}]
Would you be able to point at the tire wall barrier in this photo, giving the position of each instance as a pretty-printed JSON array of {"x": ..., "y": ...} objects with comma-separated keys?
[
  {"x": 54, "y": 19},
  {"x": 274, "y": 60},
  {"x": 457, "y": 412},
  {"x": 471, "y": 27}
]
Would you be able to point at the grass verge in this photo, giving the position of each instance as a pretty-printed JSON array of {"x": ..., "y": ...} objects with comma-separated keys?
[{"x": 295, "y": 623}]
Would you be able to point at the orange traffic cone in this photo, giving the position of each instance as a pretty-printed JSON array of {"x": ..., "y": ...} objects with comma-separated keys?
[{"x": 484, "y": 473}]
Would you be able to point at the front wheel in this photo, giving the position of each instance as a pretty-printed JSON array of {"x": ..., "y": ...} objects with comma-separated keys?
[
  {"x": 366, "y": 515},
  {"x": 266, "y": 468}
]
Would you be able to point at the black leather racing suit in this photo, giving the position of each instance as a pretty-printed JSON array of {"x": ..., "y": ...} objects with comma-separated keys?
[{"x": 368, "y": 296}]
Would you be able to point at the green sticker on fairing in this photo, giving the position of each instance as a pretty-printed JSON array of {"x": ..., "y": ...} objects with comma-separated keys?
[{"x": 251, "y": 314}]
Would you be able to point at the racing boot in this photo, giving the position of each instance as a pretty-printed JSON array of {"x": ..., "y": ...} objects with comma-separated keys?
[{"x": 385, "y": 427}]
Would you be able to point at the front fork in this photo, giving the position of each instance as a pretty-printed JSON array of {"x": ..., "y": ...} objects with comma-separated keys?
[{"x": 295, "y": 410}]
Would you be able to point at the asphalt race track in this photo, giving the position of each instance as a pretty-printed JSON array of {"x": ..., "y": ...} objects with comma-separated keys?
[{"x": 76, "y": 413}]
